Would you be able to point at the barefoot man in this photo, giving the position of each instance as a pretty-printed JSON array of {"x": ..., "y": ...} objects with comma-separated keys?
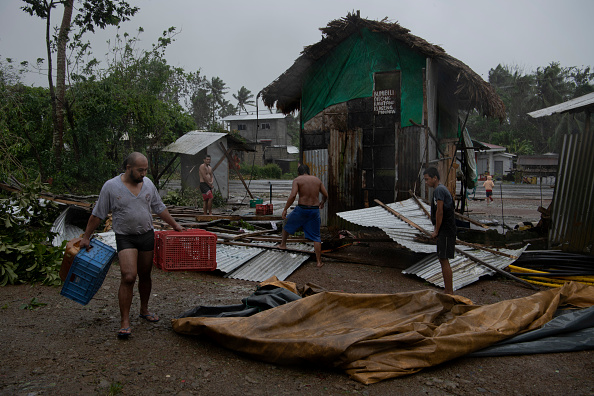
[
  {"x": 307, "y": 212},
  {"x": 131, "y": 198},
  {"x": 443, "y": 217},
  {"x": 206, "y": 186}
]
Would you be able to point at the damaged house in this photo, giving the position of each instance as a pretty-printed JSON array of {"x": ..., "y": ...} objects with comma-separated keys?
[{"x": 378, "y": 105}]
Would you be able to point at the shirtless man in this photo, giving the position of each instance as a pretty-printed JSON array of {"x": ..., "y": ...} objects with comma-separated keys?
[
  {"x": 307, "y": 212},
  {"x": 206, "y": 186}
]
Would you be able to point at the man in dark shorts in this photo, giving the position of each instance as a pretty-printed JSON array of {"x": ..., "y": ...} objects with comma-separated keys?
[
  {"x": 443, "y": 218},
  {"x": 206, "y": 184},
  {"x": 307, "y": 212},
  {"x": 132, "y": 198}
]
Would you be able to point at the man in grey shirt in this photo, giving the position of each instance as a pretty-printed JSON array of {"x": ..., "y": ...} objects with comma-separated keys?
[{"x": 132, "y": 198}]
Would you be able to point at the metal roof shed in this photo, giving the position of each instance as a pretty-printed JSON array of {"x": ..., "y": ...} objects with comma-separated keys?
[
  {"x": 192, "y": 148},
  {"x": 572, "y": 217}
]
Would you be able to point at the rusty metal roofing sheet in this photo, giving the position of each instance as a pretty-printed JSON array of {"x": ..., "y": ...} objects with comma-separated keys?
[
  {"x": 193, "y": 142},
  {"x": 464, "y": 270},
  {"x": 573, "y": 104}
]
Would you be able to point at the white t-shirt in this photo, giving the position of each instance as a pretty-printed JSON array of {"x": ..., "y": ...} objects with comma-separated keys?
[{"x": 132, "y": 215}]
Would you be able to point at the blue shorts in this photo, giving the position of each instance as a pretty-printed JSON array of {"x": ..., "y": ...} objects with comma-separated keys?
[{"x": 308, "y": 219}]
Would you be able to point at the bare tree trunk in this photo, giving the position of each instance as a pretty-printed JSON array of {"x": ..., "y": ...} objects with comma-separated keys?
[
  {"x": 58, "y": 140},
  {"x": 50, "y": 76}
]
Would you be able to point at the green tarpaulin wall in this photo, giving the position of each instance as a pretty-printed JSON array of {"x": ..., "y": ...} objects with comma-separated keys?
[{"x": 346, "y": 73}]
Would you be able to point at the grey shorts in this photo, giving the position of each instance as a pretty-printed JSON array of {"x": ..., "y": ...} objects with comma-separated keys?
[
  {"x": 446, "y": 246},
  {"x": 142, "y": 242}
]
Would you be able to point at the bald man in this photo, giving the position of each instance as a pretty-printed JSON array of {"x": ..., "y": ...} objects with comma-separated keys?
[{"x": 132, "y": 198}]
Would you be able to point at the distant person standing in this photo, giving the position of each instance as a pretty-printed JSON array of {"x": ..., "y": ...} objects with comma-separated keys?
[
  {"x": 488, "y": 184},
  {"x": 443, "y": 218},
  {"x": 131, "y": 198},
  {"x": 307, "y": 212},
  {"x": 206, "y": 184}
]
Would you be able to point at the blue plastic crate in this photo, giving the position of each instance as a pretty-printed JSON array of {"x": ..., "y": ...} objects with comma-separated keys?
[{"x": 88, "y": 272}]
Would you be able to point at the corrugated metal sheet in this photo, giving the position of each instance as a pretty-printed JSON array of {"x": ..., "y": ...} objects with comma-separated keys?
[
  {"x": 574, "y": 104},
  {"x": 464, "y": 270},
  {"x": 193, "y": 142},
  {"x": 317, "y": 160},
  {"x": 572, "y": 215},
  {"x": 269, "y": 263},
  {"x": 64, "y": 230},
  {"x": 230, "y": 257},
  {"x": 398, "y": 230}
]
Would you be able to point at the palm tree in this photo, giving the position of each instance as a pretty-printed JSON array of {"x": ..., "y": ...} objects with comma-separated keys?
[{"x": 243, "y": 98}]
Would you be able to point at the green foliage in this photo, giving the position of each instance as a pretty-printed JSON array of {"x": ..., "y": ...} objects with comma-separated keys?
[
  {"x": 526, "y": 92},
  {"x": 26, "y": 255},
  {"x": 115, "y": 388},
  {"x": 33, "y": 304},
  {"x": 269, "y": 171},
  {"x": 192, "y": 197},
  {"x": 244, "y": 97},
  {"x": 242, "y": 224}
]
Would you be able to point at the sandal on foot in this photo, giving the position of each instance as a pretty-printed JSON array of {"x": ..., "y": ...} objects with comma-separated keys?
[
  {"x": 124, "y": 332},
  {"x": 151, "y": 317}
]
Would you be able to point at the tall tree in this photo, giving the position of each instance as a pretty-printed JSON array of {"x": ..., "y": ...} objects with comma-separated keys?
[
  {"x": 218, "y": 90},
  {"x": 93, "y": 13},
  {"x": 244, "y": 97}
]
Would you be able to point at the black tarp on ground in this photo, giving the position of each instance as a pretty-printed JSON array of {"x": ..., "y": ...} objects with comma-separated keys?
[{"x": 569, "y": 332}]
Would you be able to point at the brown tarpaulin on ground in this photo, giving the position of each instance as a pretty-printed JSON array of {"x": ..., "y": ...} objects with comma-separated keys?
[{"x": 374, "y": 337}]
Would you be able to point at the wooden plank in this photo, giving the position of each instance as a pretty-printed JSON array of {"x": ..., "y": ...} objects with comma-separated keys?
[
  {"x": 250, "y": 234},
  {"x": 237, "y": 217}
]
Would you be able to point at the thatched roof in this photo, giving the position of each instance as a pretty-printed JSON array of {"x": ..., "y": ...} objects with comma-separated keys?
[{"x": 468, "y": 86}]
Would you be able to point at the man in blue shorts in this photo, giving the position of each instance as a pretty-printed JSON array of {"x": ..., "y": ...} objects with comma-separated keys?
[
  {"x": 443, "y": 218},
  {"x": 132, "y": 198},
  {"x": 307, "y": 212}
]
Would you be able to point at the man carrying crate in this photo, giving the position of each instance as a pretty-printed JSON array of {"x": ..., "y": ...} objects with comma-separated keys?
[{"x": 132, "y": 198}]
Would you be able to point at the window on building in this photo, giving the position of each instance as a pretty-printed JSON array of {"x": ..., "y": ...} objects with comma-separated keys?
[
  {"x": 265, "y": 125},
  {"x": 241, "y": 127},
  {"x": 266, "y": 142}
]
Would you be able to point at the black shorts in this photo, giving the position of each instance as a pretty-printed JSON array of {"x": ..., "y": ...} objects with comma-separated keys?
[
  {"x": 142, "y": 242},
  {"x": 489, "y": 193},
  {"x": 446, "y": 246},
  {"x": 204, "y": 188}
]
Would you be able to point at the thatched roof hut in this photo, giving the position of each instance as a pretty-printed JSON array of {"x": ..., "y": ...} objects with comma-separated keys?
[{"x": 471, "y": 91}]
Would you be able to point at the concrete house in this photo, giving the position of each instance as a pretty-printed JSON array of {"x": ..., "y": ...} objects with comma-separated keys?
[
  {"x": 378, "y": 105},
  {"x": 267, "y": 133},
  {"x": 493, "y": 160}
]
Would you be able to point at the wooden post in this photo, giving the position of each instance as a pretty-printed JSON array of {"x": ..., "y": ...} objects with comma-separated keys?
[{"x": 235, "y": 169}]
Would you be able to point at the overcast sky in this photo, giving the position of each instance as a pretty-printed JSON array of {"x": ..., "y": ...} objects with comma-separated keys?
[{"x": 250, "y": 43}]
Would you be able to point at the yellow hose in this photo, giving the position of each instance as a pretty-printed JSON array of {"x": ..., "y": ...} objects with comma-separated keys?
[{"x": 553, "y": 282}]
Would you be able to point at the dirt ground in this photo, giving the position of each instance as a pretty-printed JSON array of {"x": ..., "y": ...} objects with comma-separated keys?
[{"x": 64, "y": 348}]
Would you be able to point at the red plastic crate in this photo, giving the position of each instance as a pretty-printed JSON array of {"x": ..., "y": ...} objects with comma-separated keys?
[
  {"x": 190, "y": 250},
  {"x": 263, "y": 209}
]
